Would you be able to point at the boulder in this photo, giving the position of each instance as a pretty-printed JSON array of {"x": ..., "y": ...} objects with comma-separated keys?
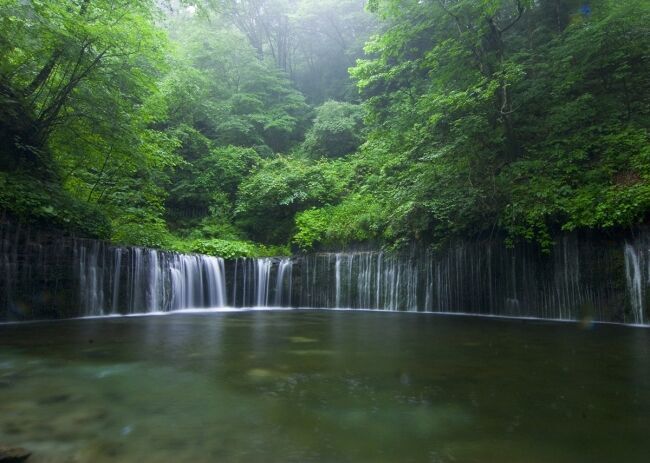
[{"x": 13, "y": 454}]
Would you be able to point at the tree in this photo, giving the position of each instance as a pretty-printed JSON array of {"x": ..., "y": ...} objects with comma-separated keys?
[
  {"x": 60, "y": 61},
  {"x": 504, "y": 116},
  {"x": 226, "y": 108},
  {"x": 245, "y": 102},
  {"x": 330, "y": 35},
  {"x": 337, "y": 130},
  {"x": 314, "y": 42},
  {"x": 269, "y": 199},
  {"x": 74, "y": 77}
]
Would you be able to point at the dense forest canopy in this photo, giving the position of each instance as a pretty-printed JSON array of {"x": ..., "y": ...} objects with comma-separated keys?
[{"x": 249, "y": 127}]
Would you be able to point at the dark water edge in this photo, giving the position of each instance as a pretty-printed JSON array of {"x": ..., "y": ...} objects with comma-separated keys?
[
  {"x": 586, "y": 277},
  {"x": 325, "y": 386}
]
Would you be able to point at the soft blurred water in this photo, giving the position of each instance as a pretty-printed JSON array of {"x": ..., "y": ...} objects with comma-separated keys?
[{"x": 324, "y": 386}]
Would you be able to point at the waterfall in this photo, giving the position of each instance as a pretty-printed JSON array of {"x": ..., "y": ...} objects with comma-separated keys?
[
  {"x": 582, "y": 278},
  {"x": 263, "y": 267},
  {"x": 264, "y": 282},
  {"x": 137, "y": 280},
  {"x": 116, "y": 275},
  {"x": 156, "y": 284},
  {"x": 91, "y": 275},
  {"x": 481, "y": 278},
  {"x": 368, "y": 280},
  {"x": 338, "y": 289},
  {"x": 637, "y": 276},
  {"x": 215, "y": 275},
  {"x": 283, "y": 284}
]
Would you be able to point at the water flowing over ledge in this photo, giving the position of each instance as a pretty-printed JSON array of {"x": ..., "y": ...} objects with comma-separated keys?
[
  {"x": 581, "y": 279},
  {"x": 116, "y": 280}
]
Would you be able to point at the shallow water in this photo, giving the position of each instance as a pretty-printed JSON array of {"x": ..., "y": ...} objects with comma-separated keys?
[{"x": 324, "y": 386}]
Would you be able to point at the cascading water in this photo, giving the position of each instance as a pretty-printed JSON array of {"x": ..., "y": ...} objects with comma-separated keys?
[
  {"x": 46, "y": 276},
  {"x": 637, "y": 276},
  {"x": 266, "y": 282},
  {"x": 283, "y": 284},
  {"x": 360, "y": 280},
  {"x": 480, "y": 278},
  {"x": 153, "y": 281}
]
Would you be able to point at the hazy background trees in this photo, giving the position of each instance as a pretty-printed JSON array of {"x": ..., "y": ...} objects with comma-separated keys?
[{"x": 313, "y": 42}]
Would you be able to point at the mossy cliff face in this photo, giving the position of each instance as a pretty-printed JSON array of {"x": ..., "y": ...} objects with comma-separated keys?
[{"x": 37, "y": 277}]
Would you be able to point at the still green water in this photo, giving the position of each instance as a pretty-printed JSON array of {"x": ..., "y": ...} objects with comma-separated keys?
[{"x": 324, "y": 386}]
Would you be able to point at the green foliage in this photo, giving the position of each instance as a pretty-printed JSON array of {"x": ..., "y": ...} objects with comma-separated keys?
[
  {"x": 135, "y": 230},
  {"x": 588, "y": 165},
  {"x": 313, "y": 41},
  {"x": 337, "y": 130},
  {"x": 354, "y": 220},
  {"x": 227, "y": 109},
  {"x": 269, "y": 199},
  {"x": 76, "y": 72},
  {"x": 330, "y": 34},
  {"x": 75, "y": 77},
  {"x": 234, "y": 249},
  {"x": 520, "y": 117},
  {"x": 209, "y": 185},
  {"x": 46, "y": 204},
  {"x": 235, "y": 98},
  {"x": 569, "y": 189}
]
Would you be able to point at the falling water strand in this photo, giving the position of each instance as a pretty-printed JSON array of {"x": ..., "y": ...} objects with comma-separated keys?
[
  {"x": 635, "y": 280},
  {"x": 283, "y": 283}
]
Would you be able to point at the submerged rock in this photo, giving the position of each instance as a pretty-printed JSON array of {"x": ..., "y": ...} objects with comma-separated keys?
[
  {"x": 13, "y": 454},
  {"x": 302, "y": 339},
  {"x": 54, "y": 399},
  {"x": 260, "y": 373},
  {"x": 100, "y": 451},
  {"x": 80, "y": 417}
]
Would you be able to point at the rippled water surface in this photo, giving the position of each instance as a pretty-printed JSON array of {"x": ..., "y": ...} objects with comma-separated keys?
[{"x": 324, "y": 386}]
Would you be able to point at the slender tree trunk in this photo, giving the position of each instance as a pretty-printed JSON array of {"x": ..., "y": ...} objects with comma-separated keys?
[
  {"x": 558, "y": 16},
  {"x": 45, "y": 72}
]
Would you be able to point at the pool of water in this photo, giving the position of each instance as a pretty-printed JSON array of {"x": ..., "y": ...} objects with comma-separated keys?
[{"x": 324, "y": 386}]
